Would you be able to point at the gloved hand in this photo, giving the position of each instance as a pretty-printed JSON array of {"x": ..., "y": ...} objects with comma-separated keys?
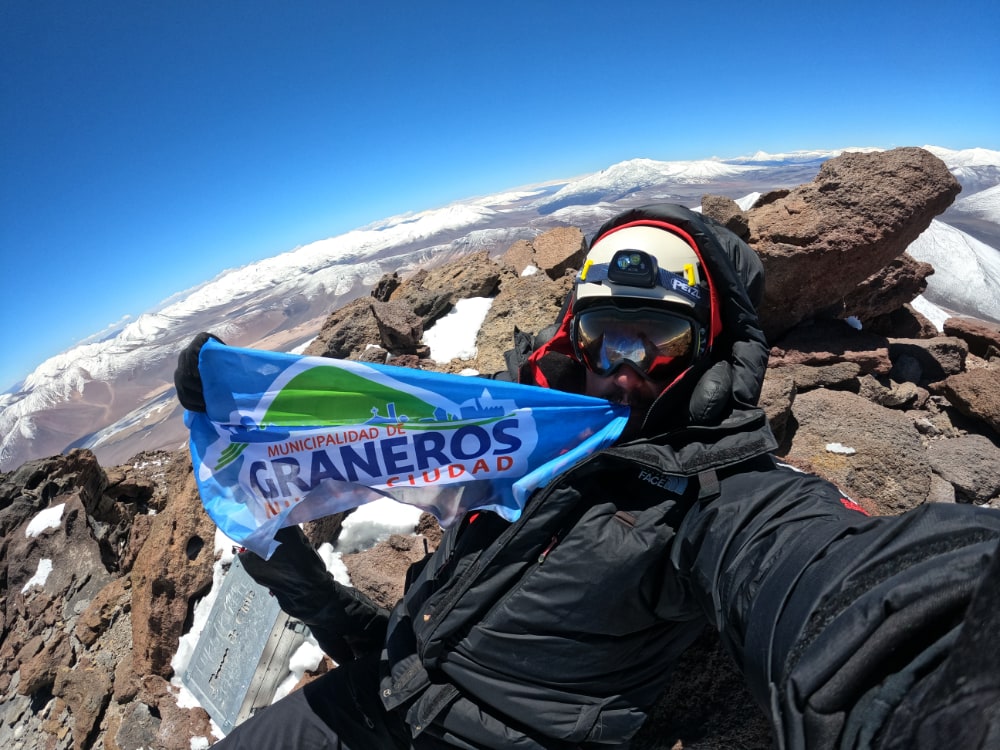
[
  {"x": 345, "y": 622},
  {"x": 187, "y": 379}
]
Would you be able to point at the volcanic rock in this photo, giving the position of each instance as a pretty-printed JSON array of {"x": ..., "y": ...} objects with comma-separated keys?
[
  {"x": 888, "y": 289},
  {"x": 821, "y": 240},
  {"x": 399, "y": 327},
  {"x": 432, "y": 293},
  {"x": 347, "y": 331},
  {"x": 884, "y": 461},
  {"x": 172, "y": 570},
  {"x": 936, "y": 358},
  {"x": 971, "y": 464},
  {"x": 982, "y": 337},
  {"x": 553, "y": 252},
  {"x": 976, "y": 393},
  {"x": 727, "y": 212},
  {"x": 827, "y": 342},
  {"x": 528, "y": 303}
]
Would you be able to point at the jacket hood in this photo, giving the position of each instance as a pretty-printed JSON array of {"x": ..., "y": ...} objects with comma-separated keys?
[{"x": 730, "y": 377}]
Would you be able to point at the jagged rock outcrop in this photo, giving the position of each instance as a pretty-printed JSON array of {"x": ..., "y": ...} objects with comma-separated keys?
[
  {"x": 820, "y": 241},
  {"x": 982, "y": 337},
  {"x": 554, "y": 252},
  {"x": 75, "y": 535}
]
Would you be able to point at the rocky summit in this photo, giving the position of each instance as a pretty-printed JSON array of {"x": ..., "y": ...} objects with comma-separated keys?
[{"x": 102, "y": 566}]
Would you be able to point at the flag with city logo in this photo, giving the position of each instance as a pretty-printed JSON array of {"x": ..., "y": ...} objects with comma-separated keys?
[{"x": 289, "y": 438}]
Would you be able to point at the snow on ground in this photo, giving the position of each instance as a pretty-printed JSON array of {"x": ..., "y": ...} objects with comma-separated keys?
[
  {"x": 454, "y": 335},
  {"x": 932, "y": 312},
  {"x": 966, "y": 271},
  {"x": 50, "y": 518},
  {"x": 41, "y": 575}
]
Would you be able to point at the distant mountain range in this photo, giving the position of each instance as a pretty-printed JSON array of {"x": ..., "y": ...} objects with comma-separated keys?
[{"x": 114, "y": 393}]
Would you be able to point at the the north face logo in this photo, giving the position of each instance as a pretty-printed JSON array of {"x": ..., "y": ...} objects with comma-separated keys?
[{"x": 667, "y": 482}]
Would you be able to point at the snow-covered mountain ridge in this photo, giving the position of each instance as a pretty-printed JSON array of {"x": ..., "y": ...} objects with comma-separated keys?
[{"x": 280, "y": 302}]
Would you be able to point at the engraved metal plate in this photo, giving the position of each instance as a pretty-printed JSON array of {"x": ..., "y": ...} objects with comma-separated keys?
[{"x": 242, "y": 654}]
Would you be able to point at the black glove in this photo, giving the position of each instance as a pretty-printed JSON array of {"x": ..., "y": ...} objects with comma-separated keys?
[
  {"x": 187, "y": 379},
  {"x": 345, "y": 622}
]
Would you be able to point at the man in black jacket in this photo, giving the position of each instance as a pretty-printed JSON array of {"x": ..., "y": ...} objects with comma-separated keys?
[{"x": 560, "y": 630}]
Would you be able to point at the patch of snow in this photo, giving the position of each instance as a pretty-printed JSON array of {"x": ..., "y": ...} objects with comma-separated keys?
[
  {"x": 301, "y": 348},
  {"x": 966, "y": 271},
  {"x": 853, "y": 322},
  {"x": 967, "y": 157},
  {"x": 932, "y": 312},
  {"x": 454, "y": 335},
  {"x": 529, "y": 271},
  {"x": 41, "y": 575},
  {"x": 843, "y": 450},
  {"x": 375, "y": 521},
  {"x": 306, "y": 658},
  {"x": 984, "y": 205},
  {"x": 202, "y": 609},
  {"x": 50, "y": 518}
]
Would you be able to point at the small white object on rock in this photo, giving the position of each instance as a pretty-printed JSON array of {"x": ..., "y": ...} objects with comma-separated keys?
[{"x": 841, "y": 449}]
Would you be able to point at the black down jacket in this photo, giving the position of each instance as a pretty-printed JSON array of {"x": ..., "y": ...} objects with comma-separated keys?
[{"x": 561, "y": 629}]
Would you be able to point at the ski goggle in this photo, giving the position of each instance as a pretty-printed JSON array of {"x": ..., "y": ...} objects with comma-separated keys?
[{"x": 658, "y": 344}]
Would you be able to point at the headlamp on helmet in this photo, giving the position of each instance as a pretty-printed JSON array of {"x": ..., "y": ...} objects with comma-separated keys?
[{"x": 647, "y": 263}]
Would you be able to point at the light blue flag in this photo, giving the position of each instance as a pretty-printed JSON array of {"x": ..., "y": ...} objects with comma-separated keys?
[{"x": 288, "y": 439}]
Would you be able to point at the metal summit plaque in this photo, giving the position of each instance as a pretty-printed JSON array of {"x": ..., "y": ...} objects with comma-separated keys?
[{"x": 242, "y": 654}]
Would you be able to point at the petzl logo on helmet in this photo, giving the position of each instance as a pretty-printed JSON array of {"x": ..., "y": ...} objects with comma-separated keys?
[{"x": 677, "y": 284}]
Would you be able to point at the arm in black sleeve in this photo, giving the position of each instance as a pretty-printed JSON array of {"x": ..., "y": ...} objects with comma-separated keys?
[
  {"x": 345, "y": 622},
  {"x": 830, "y": 614}
]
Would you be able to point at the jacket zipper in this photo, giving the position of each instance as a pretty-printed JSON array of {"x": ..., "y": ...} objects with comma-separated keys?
[{"x": 545, "y": 552}]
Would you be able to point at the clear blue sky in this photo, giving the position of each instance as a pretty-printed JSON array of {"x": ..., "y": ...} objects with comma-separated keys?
[{"x": 146, "y": 146}]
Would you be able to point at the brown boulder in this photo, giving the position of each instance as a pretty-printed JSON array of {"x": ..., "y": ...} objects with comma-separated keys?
[
  {"x": 823, "y": 239},
  {"x": 903, "y": 323},
  {"x": 399, "y": 327},
  {"x": 827, "y": 342},
  {"x": 840, "y": 376},
  {"x": 776, "y": 398},
  {"x": 935, "y": 359},
  {"x": 891, "y": 394},
  {"x": 519, "y": 256},
  {"x": 727, "y": 212},
  {"x": 882, "y": 463},
  {"x": 553, "y": 252},
  {"x": 971, "y": 464},
  {"x": 347, "y": 331},
  {"x": 559, "y": 250},
  {"x": 432, "y": 293},
  {"x": 109, "y": 604},
  {"x": 898, "y": 283},
  {"x": 976, "y": 394},
  {"x": 982, "y": 337},
  {"x": 86, "y": 690},
  {"x": 380, "y": 571},
  {"x": 529, "y": 303}
]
